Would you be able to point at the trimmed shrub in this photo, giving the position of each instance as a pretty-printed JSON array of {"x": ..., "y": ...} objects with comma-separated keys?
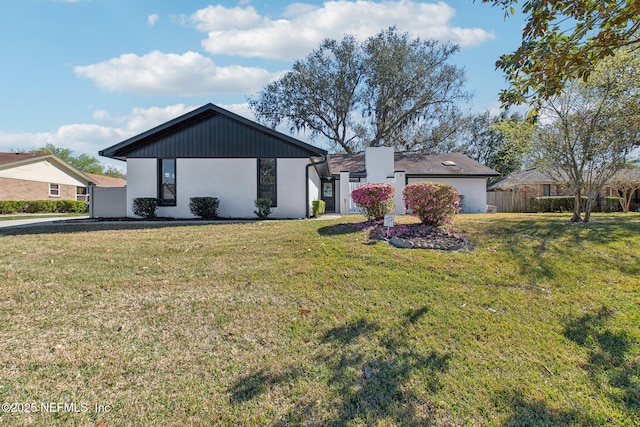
[
  {"x": 204, "y": 207},
  {"x": 264, "y": 208},
  {"x": 11, "y": 206},
  {"x": 71, "y": 206},
  {"x": 566, "y": 204},
  {"x": 612, "y": 204},
  {"x": 318, "y": 207},
  {"x": 145, "y": 207},
  {"x": 375, "y": 200},
  {"x": 554, "y": 203},
  {"x": 40, "y": 206},
  {"x": 433, "y": 202}
]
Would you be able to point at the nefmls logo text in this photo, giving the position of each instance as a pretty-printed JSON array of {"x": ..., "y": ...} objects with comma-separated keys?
[{"x": 64, "y": 407}]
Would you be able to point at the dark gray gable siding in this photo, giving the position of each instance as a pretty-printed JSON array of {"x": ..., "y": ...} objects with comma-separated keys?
[{"x": 211, "y": 132}]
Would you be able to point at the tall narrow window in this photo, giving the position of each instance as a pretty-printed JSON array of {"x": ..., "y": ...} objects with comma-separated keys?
[
  {"x": 167, "y": 182},
  {"x": 546, "y": 189},
  {"x": 267, "y": 180}
]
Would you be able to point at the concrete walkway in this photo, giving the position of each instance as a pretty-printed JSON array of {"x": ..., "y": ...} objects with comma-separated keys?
[
  {"x": 42, "y": 220},
  {"x": 46, "y": 220}
]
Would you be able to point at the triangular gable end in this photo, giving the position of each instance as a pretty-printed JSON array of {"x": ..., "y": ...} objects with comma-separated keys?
[{"x": 211, "y": 132}]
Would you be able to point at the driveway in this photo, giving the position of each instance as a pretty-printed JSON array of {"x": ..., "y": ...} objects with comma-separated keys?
[{"x": 37, "y": 220}]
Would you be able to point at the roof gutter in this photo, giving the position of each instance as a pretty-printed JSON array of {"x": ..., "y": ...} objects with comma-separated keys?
[{"x": 306, "y": 176}]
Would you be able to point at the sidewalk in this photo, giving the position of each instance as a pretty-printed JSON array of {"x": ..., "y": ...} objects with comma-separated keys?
[{"x": 42, "y": 220}]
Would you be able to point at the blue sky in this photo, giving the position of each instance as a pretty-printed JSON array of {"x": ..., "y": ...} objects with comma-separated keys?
[{"x": 86, "y": 74}]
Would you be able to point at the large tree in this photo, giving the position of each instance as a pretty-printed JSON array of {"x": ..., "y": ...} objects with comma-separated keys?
[
  {"x": 587, "y": 133},
  {"x": 563, "y": 40},
  {"x": 501, "y": 142},
  {"x": 318, "y": 95},
  {"x": 390, "y": 90}
]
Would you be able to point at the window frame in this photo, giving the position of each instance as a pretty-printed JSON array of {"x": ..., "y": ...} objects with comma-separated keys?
[
  {"x": 51, "y": 190},
  {"x": 546, "y": 188},
  {"x": 161, "y": 200},
  {"x": 274, "y": 200},
  {"x": 82, "y": 197}
]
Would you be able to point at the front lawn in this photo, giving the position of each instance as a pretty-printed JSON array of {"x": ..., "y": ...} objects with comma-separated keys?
[{"x": 315, "y": 323}]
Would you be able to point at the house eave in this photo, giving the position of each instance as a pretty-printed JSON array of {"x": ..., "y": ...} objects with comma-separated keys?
[{"x": 119, "y": 151}]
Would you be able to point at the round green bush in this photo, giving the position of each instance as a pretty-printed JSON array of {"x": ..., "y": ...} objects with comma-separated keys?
[
  {"x": 204, "y": 207},
  {"x": 145, "y": 207}
]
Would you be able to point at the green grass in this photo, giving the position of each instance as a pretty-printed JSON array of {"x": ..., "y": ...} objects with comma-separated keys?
[{"x": 202, "y": 324}]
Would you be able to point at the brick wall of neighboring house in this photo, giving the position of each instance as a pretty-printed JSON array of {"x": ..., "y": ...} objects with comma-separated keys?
[{"x": 19, "y": 189}]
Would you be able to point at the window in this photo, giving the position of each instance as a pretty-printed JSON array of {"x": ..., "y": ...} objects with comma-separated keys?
[
  {"x": 267, "y": 180},
  {"x": 81, "y": 194},
  {"x": 54, "y": 190},
  {"x": 167, "y": 182},
  {"x": 546, "y": 190}
]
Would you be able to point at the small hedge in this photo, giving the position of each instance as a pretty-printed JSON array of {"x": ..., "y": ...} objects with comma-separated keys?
[
  {"x": 554, "y": 203},
  {"x": 263, "y": 206},
  {"x": 318, "y": 207},
  {"x": 42, "y": 206},
  {"x": 612, "y": 204},
  {"x": 567, "y": 203},
  {"x": 204, "y": 207},
  {"x": 145, "y": 207}
]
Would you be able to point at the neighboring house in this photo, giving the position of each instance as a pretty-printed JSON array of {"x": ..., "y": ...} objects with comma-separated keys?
[
  {"x": 107, "y": 181},
  {"x": 29, "y": 176},
  {"x": 382, "y": 164},
  {"x": 213, "y": 152},
  {"x": 514, "y": 192}
]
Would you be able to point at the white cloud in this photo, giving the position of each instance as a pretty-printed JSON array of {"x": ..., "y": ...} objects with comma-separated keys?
[
  {"x": 242, "y": 31},
  {"x": 152, "y": 19},
  {"x": 216, "y": 18},
  {"x": 158, "y": 73}
]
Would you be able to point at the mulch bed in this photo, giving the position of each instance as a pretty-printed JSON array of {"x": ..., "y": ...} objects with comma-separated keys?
[{"x": 416, "y": 236}]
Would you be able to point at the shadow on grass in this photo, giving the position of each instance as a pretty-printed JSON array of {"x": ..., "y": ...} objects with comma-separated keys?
[
  {"x": 608, "y": 361},
  {"x": 528, "y": 240},
  {"x": 346, "y": 334},
  {"x": 607, "y": 367},
  {"x": 255, "y": 384},
  {"x": 527, "y": 412},
  {"x": 375, "y": 375},
  {"x": 79, "y": 226},
  {"x": 338, "y": 229}
]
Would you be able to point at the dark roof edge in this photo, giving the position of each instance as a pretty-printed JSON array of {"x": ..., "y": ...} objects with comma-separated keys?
[{"x": 114, "y": 149}]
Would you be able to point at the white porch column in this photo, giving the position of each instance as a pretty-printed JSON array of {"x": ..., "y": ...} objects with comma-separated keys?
[
  {"x": 400, "y": 178},
  {"x": 345, "y": 193}
]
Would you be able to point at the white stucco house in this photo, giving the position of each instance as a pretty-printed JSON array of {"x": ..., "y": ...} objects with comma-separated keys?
[
  {"x": 213, "y": 152},
  {"x": 382, "y": 164}
]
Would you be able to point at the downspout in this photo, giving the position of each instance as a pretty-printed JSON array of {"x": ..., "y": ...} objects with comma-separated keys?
[{"x": 306, "y": 181}]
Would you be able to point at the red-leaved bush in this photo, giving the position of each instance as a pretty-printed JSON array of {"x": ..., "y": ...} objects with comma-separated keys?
[
  {"x": 375, "y": 200},
  {"x": 433, "y": 202}
]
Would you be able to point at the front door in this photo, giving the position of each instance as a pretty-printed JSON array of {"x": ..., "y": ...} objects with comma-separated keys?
[{"x": 328, "y": 194}]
